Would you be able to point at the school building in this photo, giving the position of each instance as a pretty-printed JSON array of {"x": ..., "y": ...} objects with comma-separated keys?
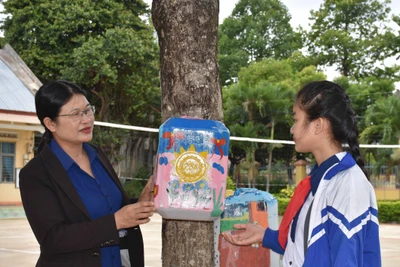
[{"x": 19, "y": 126}]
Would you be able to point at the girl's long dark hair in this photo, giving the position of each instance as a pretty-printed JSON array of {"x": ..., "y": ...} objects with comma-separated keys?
[{"x": 324, "y": 99}]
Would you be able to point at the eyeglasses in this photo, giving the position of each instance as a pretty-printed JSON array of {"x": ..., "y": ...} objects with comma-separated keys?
[{"x": 78, "y": 115}]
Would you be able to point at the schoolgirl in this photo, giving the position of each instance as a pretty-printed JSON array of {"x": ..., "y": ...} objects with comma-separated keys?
[{"x": 332, "y": 218}]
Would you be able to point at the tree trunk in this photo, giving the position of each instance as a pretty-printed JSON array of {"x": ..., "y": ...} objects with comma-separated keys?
[
  {"x": 187, "y": 243},
  {"x": 269, "y": 169},
  {"x": 237, "y": 175},
  {"x": 270, "y": 156},
  {"x": 249, "y": 176},
  {"x": 252, "y": 166},
  {"x": 188, "y": 39}
]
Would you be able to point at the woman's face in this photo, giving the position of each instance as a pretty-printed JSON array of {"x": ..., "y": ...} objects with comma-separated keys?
[
  {"x": 74, "y": 124},
  {"x": 303, "y": 136}
]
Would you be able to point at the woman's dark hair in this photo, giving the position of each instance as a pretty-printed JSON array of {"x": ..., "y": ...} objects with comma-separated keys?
[
  {"x": 324, "y": 99},
  {"x": 48, "y": 101}
]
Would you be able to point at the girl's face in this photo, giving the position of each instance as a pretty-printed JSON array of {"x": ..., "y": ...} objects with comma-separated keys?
[{"x": 303, "y": 135}]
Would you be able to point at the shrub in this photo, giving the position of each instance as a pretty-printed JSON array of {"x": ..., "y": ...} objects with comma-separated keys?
[
  {"x": 142, "y": 172},
  {"x": 230, "y": 184},
  {"x": 275, "y": 185},
  {"x": 389, "y": 211},
  {"x": 133, "y": 188},
  {"x": 287, "y": 192},
  {"x": 282, "y": 204}
]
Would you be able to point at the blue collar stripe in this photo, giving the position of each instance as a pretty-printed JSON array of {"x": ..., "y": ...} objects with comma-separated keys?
[
  {"x": 318, "y": 172},
  {"x": 346, "y": 163}
]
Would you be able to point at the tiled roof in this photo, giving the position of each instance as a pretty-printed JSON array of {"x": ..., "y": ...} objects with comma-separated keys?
[
  {"x": 18, "y": 84},
  {"x": 14, "y": 95}
]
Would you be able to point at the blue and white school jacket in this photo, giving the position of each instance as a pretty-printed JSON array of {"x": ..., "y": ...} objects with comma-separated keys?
[{"x": 343, "y": 226}]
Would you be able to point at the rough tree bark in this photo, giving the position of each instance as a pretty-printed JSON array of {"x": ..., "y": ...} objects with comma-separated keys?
[{"x": 188, "y": 39}]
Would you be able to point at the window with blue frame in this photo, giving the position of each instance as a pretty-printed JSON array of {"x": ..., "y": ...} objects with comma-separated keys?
[{"x": 7, "y": 162}]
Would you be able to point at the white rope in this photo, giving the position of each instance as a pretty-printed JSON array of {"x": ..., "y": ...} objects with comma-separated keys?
[
  {"x": 258, "y": 140},
  {"x": 128, "y": 127},
  {"x": 233, "y": 138}
]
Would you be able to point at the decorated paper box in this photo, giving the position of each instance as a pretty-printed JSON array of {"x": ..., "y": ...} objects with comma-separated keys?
[
  {"x": 190, "y": 179},
  {"x": 248, "y": 205}
]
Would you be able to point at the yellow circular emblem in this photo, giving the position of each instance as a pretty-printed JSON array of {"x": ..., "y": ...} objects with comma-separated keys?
[{"x": 190, "y": 166}]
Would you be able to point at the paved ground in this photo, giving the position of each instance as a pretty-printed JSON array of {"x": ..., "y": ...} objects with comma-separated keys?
[{"x": 19, "y": 248}]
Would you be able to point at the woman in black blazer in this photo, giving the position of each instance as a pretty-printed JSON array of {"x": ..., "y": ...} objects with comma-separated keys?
[{"x": 60, "y": 200}]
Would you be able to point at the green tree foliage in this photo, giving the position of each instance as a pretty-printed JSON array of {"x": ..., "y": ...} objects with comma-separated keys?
[
  {"x": 306, "y": 75},
  {"x": 365, "y": 92},
  {"x": 241, "y": 104},
  {"x": 45, "y": 33},
  {"x": 299, "y": 61},
  {"x": 376, "y": 107},
  {"x": 120, "y": 71},
  {"x": 383, "y": 127},
  {"x": 382, "y": 121},
  {"x": 391, "y": 41},
  {"x": 270, "y": 70},
  {"x": 260, "y": 105},
  {"x": 285, "y": 73},
  {"x": 390, "y": 45},
  {"x": 275, "y": 104},
  {"x": 252, "y": 130},
  {"x": 257, "y": 29},
  {"x": 105, "y": 47},
  {"x": 348, "y": 34}
]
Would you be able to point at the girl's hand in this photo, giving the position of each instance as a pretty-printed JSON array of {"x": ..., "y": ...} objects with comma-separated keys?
[
  {"x": 134, "y": 214},
  {"x": 246, "y": 234}
]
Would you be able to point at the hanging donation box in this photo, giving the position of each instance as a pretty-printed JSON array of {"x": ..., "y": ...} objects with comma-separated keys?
[
  {"x": 192, "y": 166},
  {"x": 248, "y": 205}
]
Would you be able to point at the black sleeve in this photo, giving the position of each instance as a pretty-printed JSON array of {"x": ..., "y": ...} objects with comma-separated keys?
[{"x": 49, "y": 223}]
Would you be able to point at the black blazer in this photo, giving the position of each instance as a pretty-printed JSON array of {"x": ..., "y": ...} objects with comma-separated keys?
[{"x": 59, "y": 219}]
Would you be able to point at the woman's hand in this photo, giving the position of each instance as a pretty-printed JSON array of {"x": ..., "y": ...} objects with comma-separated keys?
[
  {"x": 148, "y": 191},
  {"x": 246, "y": 234},
  {"x": 134, "y": 214}
]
